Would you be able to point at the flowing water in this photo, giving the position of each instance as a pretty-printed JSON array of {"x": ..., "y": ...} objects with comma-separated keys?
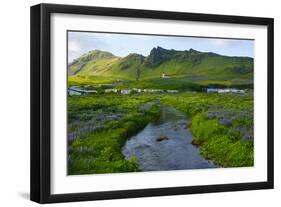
[{"x": 166, "y": 144}]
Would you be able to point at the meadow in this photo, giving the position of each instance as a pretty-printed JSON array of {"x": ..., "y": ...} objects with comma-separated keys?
[
  {"x": 100, "y": 125},
  {"x": 116, "y": 118},
  {"x": 222, "y": 125}
]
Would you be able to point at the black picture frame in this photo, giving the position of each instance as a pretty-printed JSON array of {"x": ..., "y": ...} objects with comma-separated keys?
[{"x": 41, "y": 97}]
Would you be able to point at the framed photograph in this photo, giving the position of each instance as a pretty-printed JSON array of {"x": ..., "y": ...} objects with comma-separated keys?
[{"x": 133, "y": 103}]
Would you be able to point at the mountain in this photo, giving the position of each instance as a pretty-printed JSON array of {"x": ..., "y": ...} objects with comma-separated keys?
[
  {"x": 91, "y": 62},
  {"x": 201, "y": 66}
]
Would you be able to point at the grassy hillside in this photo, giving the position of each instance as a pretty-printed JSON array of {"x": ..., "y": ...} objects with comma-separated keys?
[{"x": 189, "y": 66}]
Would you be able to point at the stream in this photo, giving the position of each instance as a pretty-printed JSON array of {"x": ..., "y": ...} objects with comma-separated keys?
[{"x": 166, "y": 144}]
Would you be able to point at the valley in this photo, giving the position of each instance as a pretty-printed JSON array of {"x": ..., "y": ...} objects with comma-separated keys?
[{"x": 170, "y": 110}]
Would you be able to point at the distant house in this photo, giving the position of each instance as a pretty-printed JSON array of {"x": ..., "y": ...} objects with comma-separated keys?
[
  {"x": 111, "y": 90},
  {"x": 126, "y": 91},
  {"x": 224, "y": 90},
  {"x": 153, "y": 90},
  {"x": 165, "y": 75},
  {"x": 74, "y": 90},
  {"x": 172, "y": 91},
  {"x": 91, "y": 91}
]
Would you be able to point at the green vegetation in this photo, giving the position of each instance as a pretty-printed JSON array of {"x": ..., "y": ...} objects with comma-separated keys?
[
  {"x": 189, "y": 67},
  {"x": 222, "y": 125},
  {"x": 88, "y": 80},
  {"x": 100, "y": 124},
  {"x": 98, "y": 150}
]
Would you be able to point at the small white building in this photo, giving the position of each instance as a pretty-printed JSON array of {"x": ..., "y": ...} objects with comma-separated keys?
[
  {"x": 165, "y": 75},
  {"x": 156, "y": 91},
  {"x": 224, "y": 90},
  {"x": 150, "y": 90},
  {"x": 111, "y": 90},
  {"x": 73, "y": 93},
  {"x": 91, "y": 91},
  {"x": 126, "y": 91},
  {"x": 172, "y": 91},
  {"x": 74, "y": 90}
]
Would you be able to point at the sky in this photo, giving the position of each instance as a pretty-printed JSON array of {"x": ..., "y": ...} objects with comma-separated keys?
[{"x": 123, "y": 44}]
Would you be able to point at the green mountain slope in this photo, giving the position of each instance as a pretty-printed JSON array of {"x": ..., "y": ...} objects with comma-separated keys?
[
  {"x": 190, "y": 64},
  {"x": 93, "y": 62}
]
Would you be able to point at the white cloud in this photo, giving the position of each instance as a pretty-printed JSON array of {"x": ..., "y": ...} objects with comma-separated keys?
[
  {"x": 74, "y": 46},
  {"x": 220, "y": 42}
]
